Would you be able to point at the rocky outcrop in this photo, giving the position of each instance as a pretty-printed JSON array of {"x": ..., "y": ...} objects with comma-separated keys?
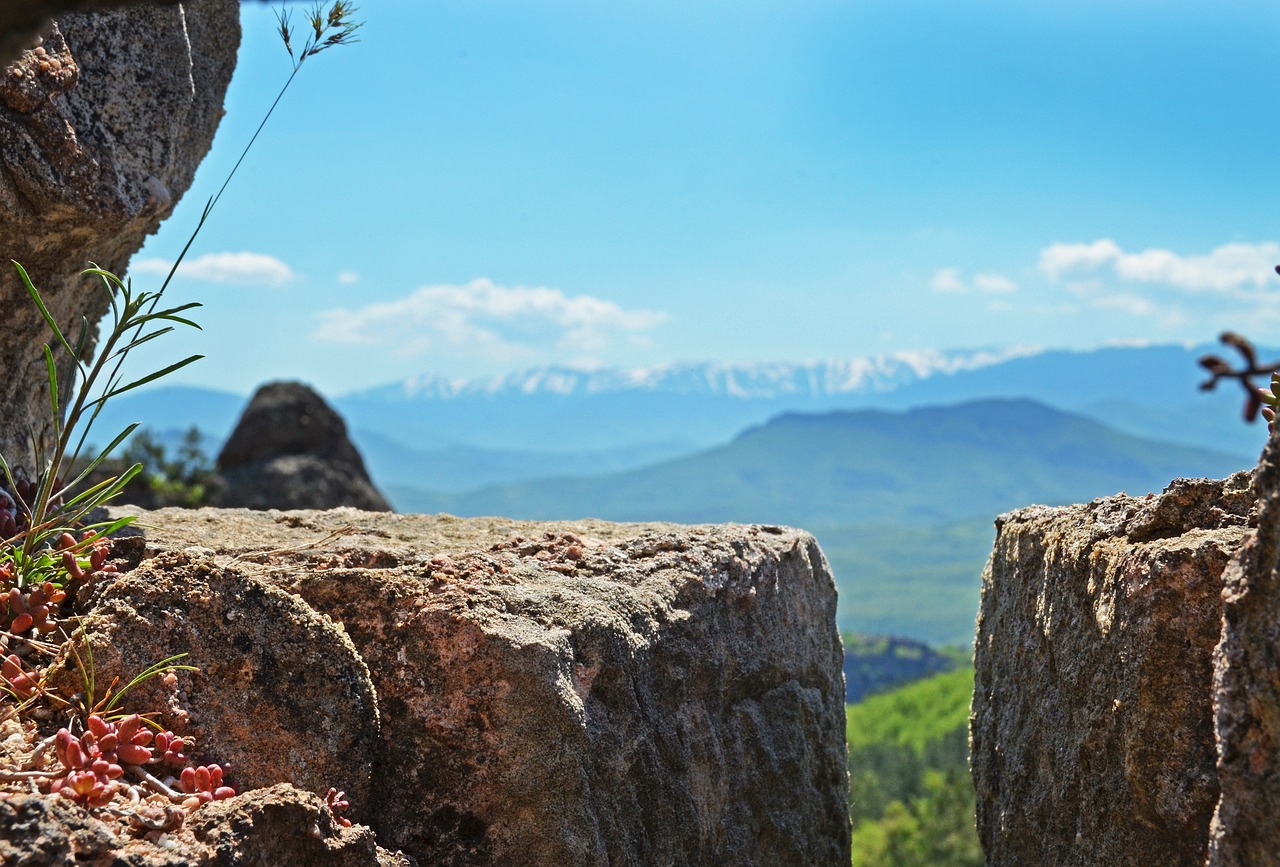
[
  {"x": 278, "y": 825},
  {"x": 1125, "y": 707},
  {"x": 570, "y": 694},
  {"x": 290, "y": 450},
  {"x": 1246, "y": 690},
  {"x": 101, "y": 129},
  {"x": 287, "y": 699}
]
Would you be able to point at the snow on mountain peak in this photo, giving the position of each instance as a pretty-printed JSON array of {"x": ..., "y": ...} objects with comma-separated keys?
[{"x": 883, "y": 372}]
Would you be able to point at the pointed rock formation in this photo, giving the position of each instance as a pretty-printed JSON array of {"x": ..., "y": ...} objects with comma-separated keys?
[{"x": 290, "y": 450}]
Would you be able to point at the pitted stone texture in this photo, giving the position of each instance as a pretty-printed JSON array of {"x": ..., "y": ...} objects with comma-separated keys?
[
  {"x": 21, "y": 23},
  {"x": 101, "y": 130},
  {"x": 577, "y": 693},
  {"x": 275, "y": 826},
  {"x": 1246, "y": 825},
  {"x": 1092, "y": 731},
  {"x": 280, "y": 694}
]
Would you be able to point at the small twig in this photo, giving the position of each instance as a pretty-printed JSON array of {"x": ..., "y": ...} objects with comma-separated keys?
[
  {"x": 348, "y": 530},
  {"x": 1220, "y": 369},
  {"x": 41, "y": 747},
  {"x": 156, "y": 785},
  {"x": 14, "y": 776}
]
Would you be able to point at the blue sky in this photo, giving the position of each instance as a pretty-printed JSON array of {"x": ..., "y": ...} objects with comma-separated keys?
[{"x": 484, "y": 185}]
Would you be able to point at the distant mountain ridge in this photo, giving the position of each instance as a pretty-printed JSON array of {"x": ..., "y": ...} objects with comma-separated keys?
[{"x": 928, "y": 465}]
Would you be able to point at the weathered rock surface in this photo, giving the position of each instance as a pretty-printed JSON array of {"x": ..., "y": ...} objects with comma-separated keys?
[
  {"x": 279, "y": 825},
  {"x": 574, "y": 694},
  {"x": 1092, "y": 726},
  {"x": 101, "y": 130},
  {"x": 1246, "y": 691},
  {"x": 290, "y": 450},
  {"x": 20, "y": 23},
  {"x": 281, "y": 694}
]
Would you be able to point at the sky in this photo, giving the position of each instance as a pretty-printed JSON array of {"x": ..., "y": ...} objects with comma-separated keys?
[{"x": 480, "y": 186}]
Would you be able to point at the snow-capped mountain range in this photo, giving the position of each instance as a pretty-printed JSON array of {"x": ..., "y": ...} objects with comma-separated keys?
[{"x": 765, "y": 380}]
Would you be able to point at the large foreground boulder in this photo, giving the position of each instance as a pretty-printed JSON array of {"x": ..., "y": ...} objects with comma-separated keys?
[
  {"x": 1126, "y": 707},
  {"x": 290, "y": 450},
  {"x": 102, "y": 126},
  {"x": 570, "y": 694}
]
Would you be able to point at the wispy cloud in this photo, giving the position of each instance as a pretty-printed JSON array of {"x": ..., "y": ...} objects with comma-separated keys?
[
  {"x": 482, "y": 318},
  {"x": 347, "y": 278},
  {"x": 949, "y": 281},
  {"x": 1238, "y": 269},
  {"x": 250, "y": 268}
]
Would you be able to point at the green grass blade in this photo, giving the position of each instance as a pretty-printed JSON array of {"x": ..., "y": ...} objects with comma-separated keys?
[
  {"x": 83, "y": 340},
  {"x": 151, "y": 377},
  {"x": 148, "y": 673},
  {"x": 44, "y": 311},
  {"x": 141, "y": 340},
  {"x": 52, "y": 372}
]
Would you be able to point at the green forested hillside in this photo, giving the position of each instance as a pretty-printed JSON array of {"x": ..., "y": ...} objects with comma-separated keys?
[
  {"x": 910, "y": 794},
  {"x": 921, "y": 581},
  {"x": 926, "y": 466}
]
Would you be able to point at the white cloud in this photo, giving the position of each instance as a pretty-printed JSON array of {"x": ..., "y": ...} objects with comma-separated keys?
[
  {"x": 1239, "y": 269},
  {"x": 996, "y": 284},
  {"x": 1057, "y": 260},
  {"x": 244, "y": 267},
  {"x": 948, "y": 280},
  {"x": 347, "y": 278},
  {"x": 486, "y": 319}
]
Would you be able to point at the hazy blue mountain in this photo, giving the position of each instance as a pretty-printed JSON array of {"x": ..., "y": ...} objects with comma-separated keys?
[
  {"x": 1148, "y": 391},
  {"x": 556, "y": 409},
  {"x": 929, "y": 465},
  {"x": 462, "y": 468},
  {"x": 172, "y": 408},
  {"x": 1151, "y": 391}
]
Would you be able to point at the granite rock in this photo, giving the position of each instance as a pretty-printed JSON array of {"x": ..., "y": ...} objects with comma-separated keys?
[
  {"x": 278, "y": 825},
  {"x": 574, "y": 693},
  {"x": 1092, "y": 724},
  {"x": 1245, "y": 831}
]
